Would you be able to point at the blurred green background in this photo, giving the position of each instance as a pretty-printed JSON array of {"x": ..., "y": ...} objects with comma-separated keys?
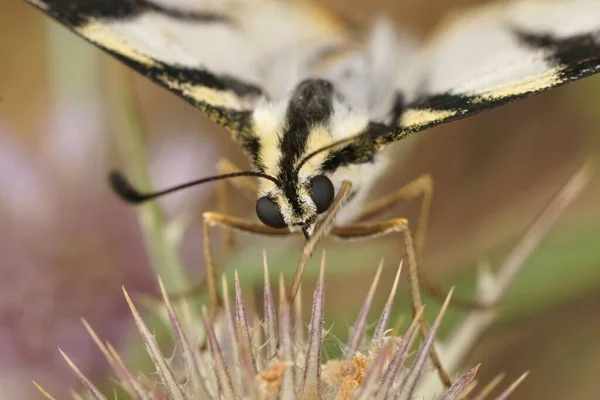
[{"x": 67, "y": 245}]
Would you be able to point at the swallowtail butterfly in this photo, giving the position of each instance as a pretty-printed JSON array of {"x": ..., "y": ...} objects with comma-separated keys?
[{"x": 314, "y": 106}]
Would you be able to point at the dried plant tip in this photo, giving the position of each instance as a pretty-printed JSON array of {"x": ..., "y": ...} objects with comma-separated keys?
[
  {"x": 360, "y": 326},
  {"x": 76, "y": 396},
  {"x": 101, "y": 346},
  {"x": 231, "y": 331},
  {"x": 89, "y": 386},
  {"x": 286, "y": 350},
  {"x": 465, "y": 395},
  {"x": 127, "y": 379},
  {"x": 391, "y": 372},
  {"x": 408, "y": 385},
  {"x": 43, "y": 391},
  {"x": 243, "y": 330},
  {"x": 270, "y": 318},
  {"x": 190, "y": 365},
  {"x": 385, "y": 315},
  {"x": 512, "y": 387},
  {"x": 219, "y": 366},
  {"x": 310, "y": 387},
  {"x": 163, "y": 368},
  {"x": 485, "y": 392},
  {"x": 461, "y": 384}
]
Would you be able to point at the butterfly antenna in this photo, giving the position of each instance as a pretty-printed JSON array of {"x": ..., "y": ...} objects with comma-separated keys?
[
  {"x": 373, "y": 130},
  {"x": 128, "y": 193},
  {"x": 322, "y": 149}
]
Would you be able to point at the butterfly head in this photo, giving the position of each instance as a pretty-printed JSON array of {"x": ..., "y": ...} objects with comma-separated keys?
[
  {"x": 296, "y": 206},
  {"x": 290, "y": 134}
]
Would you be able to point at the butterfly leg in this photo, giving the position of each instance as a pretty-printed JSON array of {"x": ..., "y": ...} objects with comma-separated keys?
[
  {"x": 422, "y": 186},
  {"x": 246, "y": 186},
  {"x": 211, "y": 220},
  {"x": 397, "y": 225}
]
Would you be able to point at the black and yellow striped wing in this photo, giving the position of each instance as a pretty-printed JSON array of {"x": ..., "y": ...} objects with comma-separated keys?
[
  {"x": 219, "y": 55},
  {"x": 490, "y": 56},
  {"x": 227, "y": 56}
]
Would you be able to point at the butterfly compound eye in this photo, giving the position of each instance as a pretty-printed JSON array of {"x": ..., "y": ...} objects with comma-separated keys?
[
  {"x": 322, "y": 192},
  {"x": 269, "y": 214}
]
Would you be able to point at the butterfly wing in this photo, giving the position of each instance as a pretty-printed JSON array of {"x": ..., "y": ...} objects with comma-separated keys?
[
  {"x": 493, "y": 55},
  {"x": 480, "y": 59},
  {"x": 222, "y": 56},
  {"x": 217, "y": 55}
]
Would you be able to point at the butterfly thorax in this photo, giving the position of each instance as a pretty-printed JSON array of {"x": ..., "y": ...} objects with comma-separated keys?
[{"x": 289, "y": 132}]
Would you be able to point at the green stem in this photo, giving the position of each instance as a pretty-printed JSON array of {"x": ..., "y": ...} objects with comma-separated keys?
[
  {"x": 163, "y": 253},
  {"x": 71, "y": 82}
]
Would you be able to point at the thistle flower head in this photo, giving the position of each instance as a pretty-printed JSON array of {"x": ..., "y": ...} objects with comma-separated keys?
[{"x": 271, "y": 359}]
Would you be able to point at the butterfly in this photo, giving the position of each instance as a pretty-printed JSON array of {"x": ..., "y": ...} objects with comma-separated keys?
[{"x": 315, "y": 105}]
